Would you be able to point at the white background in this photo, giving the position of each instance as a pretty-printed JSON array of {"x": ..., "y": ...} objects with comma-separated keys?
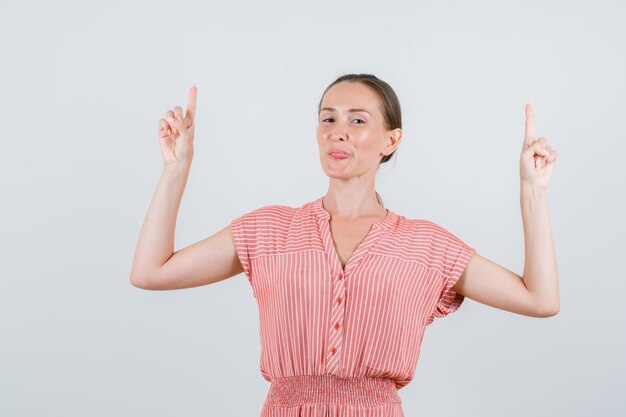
[{"x": 83, "y": 86}]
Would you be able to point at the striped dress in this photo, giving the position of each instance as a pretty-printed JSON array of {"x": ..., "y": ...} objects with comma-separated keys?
[{"x": 335, "y": 341}]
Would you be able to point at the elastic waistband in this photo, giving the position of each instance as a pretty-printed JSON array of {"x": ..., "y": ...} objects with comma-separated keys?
[{"x": 331, "y": 389}]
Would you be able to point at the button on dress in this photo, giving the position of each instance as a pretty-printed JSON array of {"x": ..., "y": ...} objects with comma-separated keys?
[{"x": 335, "y": 341}]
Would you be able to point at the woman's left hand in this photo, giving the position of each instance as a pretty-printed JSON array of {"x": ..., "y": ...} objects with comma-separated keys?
[{"x": 537, "y": 158}]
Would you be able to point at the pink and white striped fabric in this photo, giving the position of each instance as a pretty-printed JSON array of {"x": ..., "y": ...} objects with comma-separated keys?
[{"x": 340, "y": 342}]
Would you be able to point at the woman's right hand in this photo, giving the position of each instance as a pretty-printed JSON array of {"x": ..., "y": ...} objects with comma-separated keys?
[{"x": 176, "y": 133}]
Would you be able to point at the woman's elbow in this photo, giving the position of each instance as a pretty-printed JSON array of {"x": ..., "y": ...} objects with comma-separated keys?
[
  {"x": 549, "y": 311},
  {"x": 139, "y": 282}
]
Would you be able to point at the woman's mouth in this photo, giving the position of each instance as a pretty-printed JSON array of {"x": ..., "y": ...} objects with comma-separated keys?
[{"x": 338, "y": 155}]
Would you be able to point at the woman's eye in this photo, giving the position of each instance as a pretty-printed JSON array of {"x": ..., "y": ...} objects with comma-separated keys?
[{"x": 329, "y": 118}]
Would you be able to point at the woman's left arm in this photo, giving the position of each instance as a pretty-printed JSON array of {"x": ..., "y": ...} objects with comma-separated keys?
[{"x": 537, "y": 292}]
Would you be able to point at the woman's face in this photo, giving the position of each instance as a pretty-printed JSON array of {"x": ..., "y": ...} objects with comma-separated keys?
[{"x": 351, "y": 132}]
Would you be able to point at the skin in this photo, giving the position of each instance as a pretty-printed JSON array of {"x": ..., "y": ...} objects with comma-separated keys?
[
  {"x": 351, "y": 193},
  {"x": 351, "y": 198},
  {"x": 536, "y": 293},
  {"x": 352, "y": 204}
]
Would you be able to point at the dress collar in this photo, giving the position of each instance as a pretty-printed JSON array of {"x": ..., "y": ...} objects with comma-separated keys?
[{"x": 322, "y": 214}]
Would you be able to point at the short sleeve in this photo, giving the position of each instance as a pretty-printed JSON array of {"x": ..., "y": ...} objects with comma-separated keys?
[
  {"x": 254, "y": 234},
  {"x": 453, "y": 256},
  {"x": 243, "y": 229}
]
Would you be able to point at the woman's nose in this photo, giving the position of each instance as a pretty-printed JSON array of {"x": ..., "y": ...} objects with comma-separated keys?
[{"x": 338, "y": 133}]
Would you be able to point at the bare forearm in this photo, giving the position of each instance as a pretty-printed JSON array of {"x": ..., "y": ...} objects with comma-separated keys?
[
  {"x": 540, "y": 267},
  {"x": 156, "y": 240}
]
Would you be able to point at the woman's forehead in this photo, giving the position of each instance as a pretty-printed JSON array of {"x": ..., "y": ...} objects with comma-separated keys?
[{"x": 350, "y": 97}]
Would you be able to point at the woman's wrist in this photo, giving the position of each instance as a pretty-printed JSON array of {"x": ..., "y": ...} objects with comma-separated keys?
[
  {"x": 531, "y": 191},
  {"x": 177, "y": 168}
]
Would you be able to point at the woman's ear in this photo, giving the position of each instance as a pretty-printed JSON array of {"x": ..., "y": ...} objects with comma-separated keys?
[{"x": 393, "y": 140}]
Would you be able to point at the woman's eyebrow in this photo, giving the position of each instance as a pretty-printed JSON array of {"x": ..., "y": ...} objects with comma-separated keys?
[{"x": 349, "y": 110}]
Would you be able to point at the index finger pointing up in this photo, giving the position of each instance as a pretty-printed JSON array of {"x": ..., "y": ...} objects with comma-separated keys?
[
  {"x": 191, "y": 104},
  {"x": 529, "y": 132}
]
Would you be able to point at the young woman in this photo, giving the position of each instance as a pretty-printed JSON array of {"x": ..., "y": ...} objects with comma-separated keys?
[{"x": 345, "y": 287}]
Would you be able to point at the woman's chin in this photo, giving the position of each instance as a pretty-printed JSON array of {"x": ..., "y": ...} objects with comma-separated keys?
[
  {"x": 336, "y": 174},
  {"x": 340, "y": 171}
]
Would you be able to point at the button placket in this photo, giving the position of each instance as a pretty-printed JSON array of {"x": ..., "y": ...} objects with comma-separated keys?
[
  {"x": 335, "y": 340},
  {"x": 337, "y": 271}
]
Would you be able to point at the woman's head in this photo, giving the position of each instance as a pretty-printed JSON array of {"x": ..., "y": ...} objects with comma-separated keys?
[{"x": 358, "y": 114}]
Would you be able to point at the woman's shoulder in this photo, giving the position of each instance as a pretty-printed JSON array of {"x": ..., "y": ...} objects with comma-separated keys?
[
  {"x": 414, "y": 222},
  {"x": 422, "y": 228},
  {"x": 279, "y": 212},
  {"x": 436, "y": 234},
  {"x": 272, "y": 208},
  {"x": 269, "y": 213}
]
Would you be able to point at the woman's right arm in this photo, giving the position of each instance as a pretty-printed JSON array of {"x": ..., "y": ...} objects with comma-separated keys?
[{"x": 155, "y": 264}]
